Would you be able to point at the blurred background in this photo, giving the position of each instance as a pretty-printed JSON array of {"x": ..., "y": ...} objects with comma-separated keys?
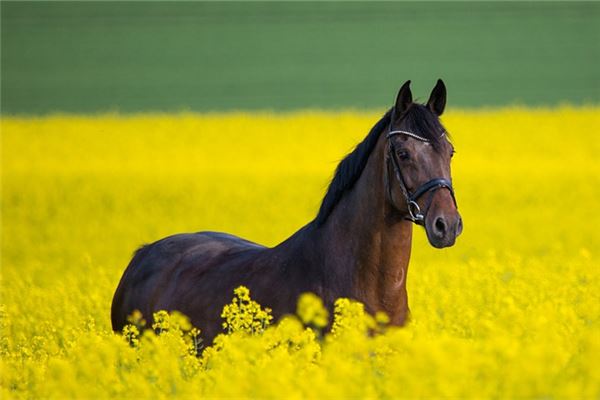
[
  {"x": 88, "y": 57},
  {"x": 509, "y": 312}
]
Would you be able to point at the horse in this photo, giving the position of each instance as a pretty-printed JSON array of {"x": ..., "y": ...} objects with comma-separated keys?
[{"x": 358, "y": 246}]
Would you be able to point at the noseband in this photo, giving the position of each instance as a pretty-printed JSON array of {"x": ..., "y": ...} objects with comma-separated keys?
[{"x": 414, "y": 211}]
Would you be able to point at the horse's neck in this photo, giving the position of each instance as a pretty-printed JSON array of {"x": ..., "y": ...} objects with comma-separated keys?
[{"x": 367, "y": 244}]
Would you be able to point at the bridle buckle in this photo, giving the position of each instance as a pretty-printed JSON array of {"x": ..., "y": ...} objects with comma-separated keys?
[{"x": 415, "y": 211}]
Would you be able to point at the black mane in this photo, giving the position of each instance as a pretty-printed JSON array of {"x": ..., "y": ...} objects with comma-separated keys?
[
  {"x": 417, "y": 119},
  {"x": 420, "y": 120},
  {"x": 348, "y": 171}
]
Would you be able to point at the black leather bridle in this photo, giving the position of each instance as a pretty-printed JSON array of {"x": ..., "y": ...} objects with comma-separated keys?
[{"x": 414, "y": 211}]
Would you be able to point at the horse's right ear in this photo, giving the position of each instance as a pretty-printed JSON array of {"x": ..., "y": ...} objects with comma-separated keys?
[
  {"x": 437, "y": 99},
  {"x": 403, "y": 100}
]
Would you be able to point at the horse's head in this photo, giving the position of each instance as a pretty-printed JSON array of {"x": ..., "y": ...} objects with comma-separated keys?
[{"x": 418, "y": 166}]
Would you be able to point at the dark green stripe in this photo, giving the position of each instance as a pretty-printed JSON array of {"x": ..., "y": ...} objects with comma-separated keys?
[{"x": 150, "y": 56}]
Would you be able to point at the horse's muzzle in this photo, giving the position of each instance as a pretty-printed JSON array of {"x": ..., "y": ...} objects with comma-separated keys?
[{"x": 443, "y": 227}]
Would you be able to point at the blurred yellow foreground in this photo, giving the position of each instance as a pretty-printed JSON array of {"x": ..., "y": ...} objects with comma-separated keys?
[{"x": 512, "y": 310}]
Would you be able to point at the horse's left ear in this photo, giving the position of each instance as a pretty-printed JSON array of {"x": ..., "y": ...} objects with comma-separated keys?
[
  {"x": 403, "y": 99},
  {"x": 437, "y": 99}
]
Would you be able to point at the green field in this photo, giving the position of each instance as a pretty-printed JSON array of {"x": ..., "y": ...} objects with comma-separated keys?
[{"x": 165, "y": 56}]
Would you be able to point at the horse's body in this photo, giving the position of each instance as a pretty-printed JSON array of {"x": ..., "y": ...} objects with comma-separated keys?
[{"x": 357, "y": 247}]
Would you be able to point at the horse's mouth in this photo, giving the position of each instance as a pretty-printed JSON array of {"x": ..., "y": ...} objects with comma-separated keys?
[{"x": 443, "y": 242}]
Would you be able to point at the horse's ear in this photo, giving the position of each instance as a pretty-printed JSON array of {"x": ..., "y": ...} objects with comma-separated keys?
[
  {"x": 437, "y": 99},
  {"x": 403, "y": 100}
]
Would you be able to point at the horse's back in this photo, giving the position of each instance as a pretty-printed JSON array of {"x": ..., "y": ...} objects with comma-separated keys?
[{"x": 165, "y": 273}]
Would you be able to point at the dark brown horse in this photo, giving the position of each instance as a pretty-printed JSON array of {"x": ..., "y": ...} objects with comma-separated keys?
[{"x": 358, "y": 246}]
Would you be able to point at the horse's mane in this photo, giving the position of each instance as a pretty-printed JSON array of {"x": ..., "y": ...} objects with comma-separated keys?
[
  {"x": 418, "y": 119},
  {"x": 348, "y": 171}
]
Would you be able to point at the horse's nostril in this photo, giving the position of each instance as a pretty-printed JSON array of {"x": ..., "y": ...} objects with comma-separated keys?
[
  {"x": 459, "y": 227},
  {"x": 440, "y": 226}
]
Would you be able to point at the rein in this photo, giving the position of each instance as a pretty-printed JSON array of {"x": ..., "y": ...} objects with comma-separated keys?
[{"x": 414, "y": 211}]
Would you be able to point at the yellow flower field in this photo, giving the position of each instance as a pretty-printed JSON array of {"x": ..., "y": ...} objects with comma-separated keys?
[{"x": 511, "y": 311}]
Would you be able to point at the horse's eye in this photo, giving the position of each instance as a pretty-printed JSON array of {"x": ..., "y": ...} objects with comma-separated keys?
[{"x": 403, "y": 154}]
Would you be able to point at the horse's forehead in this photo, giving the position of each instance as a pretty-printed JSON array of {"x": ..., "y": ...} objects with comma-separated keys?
[
  {"x": 433, "y": 160},
  {"x": 428, "y": 148}
]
